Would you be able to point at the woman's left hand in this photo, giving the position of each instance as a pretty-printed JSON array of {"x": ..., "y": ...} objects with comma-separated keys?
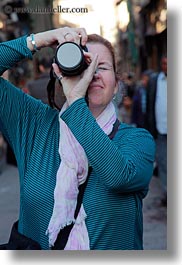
[
  {"x": 75, "y": 87},
  {"x": 54, "y": 37}
]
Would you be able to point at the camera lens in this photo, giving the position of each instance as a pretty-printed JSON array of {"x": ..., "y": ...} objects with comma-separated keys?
[{"x": 70, "y": 58}]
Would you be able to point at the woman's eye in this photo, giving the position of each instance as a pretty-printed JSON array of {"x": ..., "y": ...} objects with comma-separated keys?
[{"x": 103, "y": 69}]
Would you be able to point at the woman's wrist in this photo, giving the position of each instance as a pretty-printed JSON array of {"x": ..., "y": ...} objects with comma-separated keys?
[
  {"x": 35, "y": 41},
  {"x": 71, "y": 100},
  {"x": 32, "y": 43}
]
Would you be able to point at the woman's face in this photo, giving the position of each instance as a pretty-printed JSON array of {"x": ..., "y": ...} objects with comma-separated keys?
[{"x": 103, "y": 86}]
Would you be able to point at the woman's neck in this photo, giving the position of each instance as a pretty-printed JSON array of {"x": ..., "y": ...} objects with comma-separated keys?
[{"x": 96, "y": 111}]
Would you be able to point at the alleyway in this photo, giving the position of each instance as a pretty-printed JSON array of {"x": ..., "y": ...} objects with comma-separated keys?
[{"x": 155, "y": 223}]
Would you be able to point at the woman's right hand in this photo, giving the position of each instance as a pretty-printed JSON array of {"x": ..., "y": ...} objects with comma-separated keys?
[
  {"x": 58, "y": 36},
  {"x": 75, "y": 87}
]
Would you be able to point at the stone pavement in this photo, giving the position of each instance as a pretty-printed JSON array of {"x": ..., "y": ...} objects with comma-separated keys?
[
  {"x": 155, "y": 216},
  {"x": 9, "y": 200}
]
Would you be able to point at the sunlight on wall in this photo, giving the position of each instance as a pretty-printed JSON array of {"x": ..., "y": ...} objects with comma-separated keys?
[
  {"x": 100, "y": 17},
  {"x": 123, "y": 16}
]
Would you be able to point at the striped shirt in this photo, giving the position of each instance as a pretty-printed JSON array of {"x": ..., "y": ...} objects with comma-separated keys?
[{"x": 122, "y": 167}]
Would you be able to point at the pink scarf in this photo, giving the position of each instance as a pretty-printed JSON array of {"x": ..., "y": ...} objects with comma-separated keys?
[{"x": 72, "y": 172}]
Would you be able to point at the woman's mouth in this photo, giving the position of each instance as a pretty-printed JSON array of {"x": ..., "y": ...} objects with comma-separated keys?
[{"x": 95, "y": 87}]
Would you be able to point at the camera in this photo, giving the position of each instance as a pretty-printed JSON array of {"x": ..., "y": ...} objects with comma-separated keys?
[{"x": 70, "y": 58}]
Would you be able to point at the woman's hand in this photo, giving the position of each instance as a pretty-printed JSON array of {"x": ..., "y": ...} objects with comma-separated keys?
[
  {"x": 76, "y": 87},
  {"x": 58, "y": 36}
]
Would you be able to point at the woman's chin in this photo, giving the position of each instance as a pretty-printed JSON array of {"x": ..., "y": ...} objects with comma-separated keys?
[
  {"x": 95, "y": 100},
  {"x": 94, "y": 104}
]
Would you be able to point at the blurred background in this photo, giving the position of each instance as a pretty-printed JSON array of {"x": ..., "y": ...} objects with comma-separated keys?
[
  {"x": 138, "y": 31},
  {"x": 136, "y": 28}
]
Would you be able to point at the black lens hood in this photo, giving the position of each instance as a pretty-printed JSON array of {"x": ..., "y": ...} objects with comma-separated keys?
[{"x": 70, "y": 58}]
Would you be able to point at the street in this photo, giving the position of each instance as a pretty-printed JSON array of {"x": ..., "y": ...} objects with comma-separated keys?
[{"x": 155, "y": 215}]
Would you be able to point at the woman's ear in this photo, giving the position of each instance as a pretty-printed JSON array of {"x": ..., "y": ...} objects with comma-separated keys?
[{"x": 116, "y": 88}]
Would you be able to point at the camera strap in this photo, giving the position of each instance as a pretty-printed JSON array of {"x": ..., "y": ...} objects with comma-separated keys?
[{"x": 51, "y": 89}]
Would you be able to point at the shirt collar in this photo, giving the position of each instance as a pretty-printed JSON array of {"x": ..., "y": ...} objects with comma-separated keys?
[{"x": 162, "y": 76}]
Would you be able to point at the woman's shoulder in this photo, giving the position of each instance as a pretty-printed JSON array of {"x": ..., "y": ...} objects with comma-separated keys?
[
  {"x": 132, "y": 131},
  {"x": 135, "y": 140}
]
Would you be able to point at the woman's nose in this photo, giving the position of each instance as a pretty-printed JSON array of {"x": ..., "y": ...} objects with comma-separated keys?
[{"x": 96, "y": 74}]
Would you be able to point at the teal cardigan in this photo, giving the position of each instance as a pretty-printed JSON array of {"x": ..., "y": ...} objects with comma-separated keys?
[{"x": 122, "y": 168}]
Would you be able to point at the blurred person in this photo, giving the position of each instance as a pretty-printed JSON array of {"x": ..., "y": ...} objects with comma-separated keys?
[
  {"x": 139, "y": 105},
  {"x": 37, "y": 87},
  {"x": 125, "y": 107},
  {"x": 57, "y": 152},
  {"x": 130, "y": 85},
  {"x": 157, "y": 119},
  {"x": 118, "y": 98},
  {"x": 125, "y": 110},
  {"x": 2, "y": 152}
]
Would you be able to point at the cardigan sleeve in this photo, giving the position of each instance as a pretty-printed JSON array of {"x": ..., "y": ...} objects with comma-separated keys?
[
  {"x": 16, "y": 108},
  {"x": 19, "y": 119},
  {"x": 20, "y": 114},
  {"x": 125, "y": 163},
  {"x": 12, "y": 52}
]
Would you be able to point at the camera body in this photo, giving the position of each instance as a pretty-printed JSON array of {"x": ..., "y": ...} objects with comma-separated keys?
[{"x": 70, "y": 58}]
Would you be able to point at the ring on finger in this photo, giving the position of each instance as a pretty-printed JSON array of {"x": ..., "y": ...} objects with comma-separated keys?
[
  {"x": 60, "y": 78},
  {"x": 66, "y": 34}
]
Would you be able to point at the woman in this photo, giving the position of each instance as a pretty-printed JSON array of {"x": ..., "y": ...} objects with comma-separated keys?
[{"x": 54, "y": 151}]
